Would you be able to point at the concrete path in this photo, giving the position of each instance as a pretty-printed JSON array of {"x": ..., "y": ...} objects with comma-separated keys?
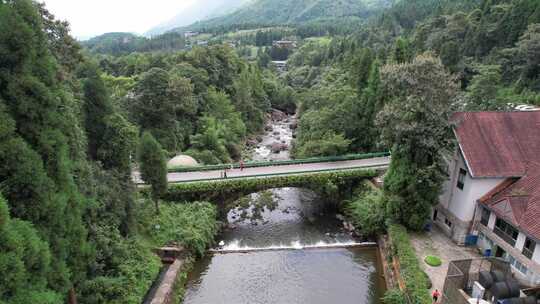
[
  {"x": 438, "y": 244},
  {"x": 380, "y": 162}
]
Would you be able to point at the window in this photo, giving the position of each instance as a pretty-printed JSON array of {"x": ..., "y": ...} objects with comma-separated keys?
[
  {"x": 485, "y": 216},
  {"x": 517, "y": 264},
  {"x": 461, "y": 179},
  {"x": 528, "y": 248},
  {"x": 506, "y": 231},
  {"x": 448, "y": 223}
]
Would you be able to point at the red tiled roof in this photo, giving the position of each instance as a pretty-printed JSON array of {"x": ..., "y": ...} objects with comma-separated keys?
[
  {"x": 519, "y": 202},
  {"x": 498, "y": 144}
]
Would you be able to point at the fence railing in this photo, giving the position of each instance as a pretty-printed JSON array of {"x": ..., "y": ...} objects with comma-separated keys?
[
  {"x": 280, "y": 162},
  {"x": 266, "y": 175}
]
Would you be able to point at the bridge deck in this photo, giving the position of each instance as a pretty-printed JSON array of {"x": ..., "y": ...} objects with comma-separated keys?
[{"x": 379, "y": 162}]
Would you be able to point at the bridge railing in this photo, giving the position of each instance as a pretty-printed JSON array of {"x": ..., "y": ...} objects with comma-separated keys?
[
  {"x": 280, "y": 162},
  {"x": 281, "y": 174}
]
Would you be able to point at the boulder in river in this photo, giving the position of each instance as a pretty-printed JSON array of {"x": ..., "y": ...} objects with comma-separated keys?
[
  {"x": 252, "y": 142},
  {"x": 268, "y": 128},
  {"x": 278, "y": 115},
  {"x": 278, "y": 147}
]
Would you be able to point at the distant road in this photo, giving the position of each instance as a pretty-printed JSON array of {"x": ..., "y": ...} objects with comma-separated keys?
[{"x": 379, "y": 162}]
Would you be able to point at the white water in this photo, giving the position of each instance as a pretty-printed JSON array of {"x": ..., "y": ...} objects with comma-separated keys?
[{"x": 234, "y": 247}]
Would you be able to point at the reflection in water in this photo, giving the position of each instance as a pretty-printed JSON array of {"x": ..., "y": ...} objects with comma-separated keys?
[
  {"x": 299, "y": 219},
  {"x": 288, "y": 277}
]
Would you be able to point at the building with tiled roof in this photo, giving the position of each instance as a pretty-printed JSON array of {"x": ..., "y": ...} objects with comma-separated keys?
[{"x": 493, "y": 192}]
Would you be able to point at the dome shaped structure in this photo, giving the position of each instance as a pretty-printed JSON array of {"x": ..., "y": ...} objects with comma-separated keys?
[{"x": 182, "y": 161}]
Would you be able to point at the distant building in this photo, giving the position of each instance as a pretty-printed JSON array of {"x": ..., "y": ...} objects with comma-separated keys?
[
  {"x": 202, "y": 43},
  {"x": 190, "y": 34},
  {"x": 493, "y": 192},
  {"x": 287, "y": 44},
  {"x": 281, "y": 66}
]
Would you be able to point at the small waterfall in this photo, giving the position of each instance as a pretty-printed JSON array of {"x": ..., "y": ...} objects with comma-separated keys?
[{"x": 235, "y": 247}]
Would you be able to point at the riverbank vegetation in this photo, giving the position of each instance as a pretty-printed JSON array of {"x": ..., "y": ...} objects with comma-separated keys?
[{"x": 415, "y": 280}]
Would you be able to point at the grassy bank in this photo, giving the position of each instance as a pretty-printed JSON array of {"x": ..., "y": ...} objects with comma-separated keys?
[
  {"x": 192, "y": 225},
  {"x": 416, "y": 281}
]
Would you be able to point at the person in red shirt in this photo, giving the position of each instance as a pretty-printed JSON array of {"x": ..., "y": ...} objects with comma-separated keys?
[
  {"x": 436, "y": 294},
  {"x": 241, "y": 165}
]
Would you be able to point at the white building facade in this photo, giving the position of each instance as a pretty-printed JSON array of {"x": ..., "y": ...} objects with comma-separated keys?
[{"x": 492, "y": 196}]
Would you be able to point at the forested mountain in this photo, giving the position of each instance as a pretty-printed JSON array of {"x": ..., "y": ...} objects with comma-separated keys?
[
  {"x": 125, "y": 43},
  {"x": 199, "y": 11},
  {"x": 294, "y": 12}
]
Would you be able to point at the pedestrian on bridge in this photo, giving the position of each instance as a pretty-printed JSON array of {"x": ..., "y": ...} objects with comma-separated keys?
[{"x": 241, "y": 165}]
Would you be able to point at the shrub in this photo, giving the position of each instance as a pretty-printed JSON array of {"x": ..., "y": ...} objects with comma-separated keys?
[
  {"x": 192, "y": 225},
  {"x": 367, "y": 212},
  {"x": 414, "y": 277},
  {"x": 394, "y": 296},
  {"x": 433, "y": 261}
]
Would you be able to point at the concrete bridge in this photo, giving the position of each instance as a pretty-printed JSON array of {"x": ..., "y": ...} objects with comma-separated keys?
[
  {"x": 333, "y": 180},
  {"x": 272, "y": 170}
]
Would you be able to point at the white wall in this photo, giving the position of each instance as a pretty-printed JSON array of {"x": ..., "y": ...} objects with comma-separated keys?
[
  {"x": 536, "y": 254},
  {"x": 462, "y": 202},
  {"x": 520, "y": 242},
  {"x": 492, "y": 220}
]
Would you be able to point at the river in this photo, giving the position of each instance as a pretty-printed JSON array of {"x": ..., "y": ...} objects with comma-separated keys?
[{"x": 287, "y": 255}]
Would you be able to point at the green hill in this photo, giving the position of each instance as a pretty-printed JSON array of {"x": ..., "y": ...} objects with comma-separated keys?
[
  {"x": 294, "y": 11},
  {"x": 125, "y": 43}
]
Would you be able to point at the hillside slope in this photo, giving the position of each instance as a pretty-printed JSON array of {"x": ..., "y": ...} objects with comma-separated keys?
[
  {"x": 201, "y": 10},
  {"x": 294, "y": 11}
]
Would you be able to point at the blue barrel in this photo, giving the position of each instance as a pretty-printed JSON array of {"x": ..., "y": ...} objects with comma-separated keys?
[
  {"x": 487, "y": 253},
  {"x": 471, "y": 240}
]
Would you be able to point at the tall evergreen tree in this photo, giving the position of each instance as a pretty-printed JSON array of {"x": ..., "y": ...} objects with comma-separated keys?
[
  {"x": 38, "y": 154},
  {"x": 153, "y": 166},
  {"x": 415, "y": 123}
]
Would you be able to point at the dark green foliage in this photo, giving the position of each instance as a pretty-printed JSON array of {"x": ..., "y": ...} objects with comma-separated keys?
[
  {"x": 97, "y": 107},
  {"x": 25, "y": 262},
  {"x": 118, "y": 144},
  {"x": 153, "y": 166},
  {"x": 416, "y": 123},
  {"x": 164, "y": 105},
  {"x": 361, "y": 68},
  {"x": 402, "y": 51},
  {"x": 367, "y": 211},
  {"x": 125, "y": 43},
  {"x": 39, "y": 156},
  {"x": 330, "y": 144},
  {"x": 250, "y": 98},
  {"x": 191, "y": 225},
  {"x": 412, "y": 274},
  {"x": 111, "y": 138},
  {"x": 395, "y": 296}
]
